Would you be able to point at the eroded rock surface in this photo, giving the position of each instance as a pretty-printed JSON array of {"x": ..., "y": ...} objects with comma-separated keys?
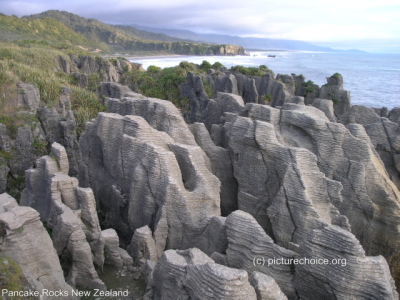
[
  {"x": 190, "y": 274},
  {"x": 24, "y": 239},
  {"x": 299, "y": 206},
  {"x": 148, "y": 170},
  {"x": 60, "y": 202}
]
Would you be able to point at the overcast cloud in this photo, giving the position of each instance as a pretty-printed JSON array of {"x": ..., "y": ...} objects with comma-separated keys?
[{"x": 369, "y": 25}]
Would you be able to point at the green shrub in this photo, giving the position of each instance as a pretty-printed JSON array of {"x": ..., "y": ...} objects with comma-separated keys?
[{"x": 308, "y": 87}]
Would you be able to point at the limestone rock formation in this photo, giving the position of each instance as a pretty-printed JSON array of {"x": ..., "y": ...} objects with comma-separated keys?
[
  {"x": 59, "y": 126},
  {"x": 61, "y": 203},
  {"x": 19, "y": 148},
  {"x": 284, "y": 189},
  {"x": 221, "y": 167},
  {"x": 326, "y": 106},
  {"x": 143, "y": 245},
  {"x": 28, "y": 97},
  {"x": 266, "y": 287},
  {"x": 394, "y": 115},
  {"x": 148, "y": 170},
  {"x": 114, "y": 90},
  {"x": 334, "y": 91},
  {"x": 248, "y": 242},
  {"x": 384, "y": 135},
  {"x": 24, "y": 239},
  {"x": 190, "y": 274}
]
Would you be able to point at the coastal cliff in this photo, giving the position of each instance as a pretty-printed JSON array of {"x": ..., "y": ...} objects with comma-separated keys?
[{"x": 272, "y": 186}]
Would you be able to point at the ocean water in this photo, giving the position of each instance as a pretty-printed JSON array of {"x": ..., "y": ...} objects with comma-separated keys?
[{"x": 372, "y": 79}]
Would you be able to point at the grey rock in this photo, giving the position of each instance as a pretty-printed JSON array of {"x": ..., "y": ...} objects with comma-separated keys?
[
  {"x": 394, "y": 115},
  {"x": 143, "y": 245},
  {"x": 57, "y": 198},
  {"x": 224, "y": 103},
  {"x": 3, "y": 175},
  {"x": 266, "y": 287},
  {"x": 114, "y": 90},
  {"x": 295, "y": 100},
  {"x": 263, "y": 113},
  {"x": 279, "y": 184},
  {"x": 111, "y": 246},
  {"x": 186, "y": 275},
  {"x": 193, "y": 88},
  {"x": 288, "y": 81},
  {"x": 160, "y": 114},
  {"x": 250, "y": 93},
  {"x": 25, "y": 240},
  {"x": 249, "y": 242},
  {"x": 334, "y": 91},
  {"x": 382, "y": 112},
  {"x": 345, "y": 154},
  {"x": 154, "y": 180},
  {"x": 326, "y": 106},
  {"x": 81, "y": 79},
  {"x": 65, "y": 64},
  {"x": 59, "y": 126},
  {"x": 359, "y": 114},
  {"x": 221, "y": 167},
  {"x": 28, "y": 97}
]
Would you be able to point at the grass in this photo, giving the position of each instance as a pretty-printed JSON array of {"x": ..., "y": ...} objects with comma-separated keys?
[
  {"x": 37, "y": 64},
  {"x": 11, "y": 276}
]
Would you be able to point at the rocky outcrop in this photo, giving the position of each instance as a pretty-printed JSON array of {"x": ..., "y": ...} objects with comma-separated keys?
[
  {"x": 248, "y": 243},
  {"x": 297, "y": 204},
  {"x": 384, "y": 135},
  {"x": 345, "y": 155},
  {"x": 19, "y": 148},
  {"x": 394, "y": 115},
  {"x": 190, "y": 274},
  {"x": 148, "y": 170},
  {"x": 69, "y": 212},
  {"x": 59, "y": 126},
  {"x": 24, "y": 239},
  {"x": 266, "y": 287},
  {"x": 28, "y": 97},
  {"x": 326, "y": 106},
  {"x": 221, "y": 166},
  {"x": 334, "y": 91},
  {"x": 114, "y": 90}
]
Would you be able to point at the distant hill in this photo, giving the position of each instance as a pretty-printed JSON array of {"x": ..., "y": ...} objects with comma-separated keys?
[
  {"x": 45, "y": 29},
  {"x": 248, "y": 43},
  {"x": 110, "y": 38},
  {"x": 101, "y": 32}
]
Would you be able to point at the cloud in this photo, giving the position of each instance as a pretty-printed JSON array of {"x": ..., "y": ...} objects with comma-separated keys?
[{"x": 308, "y": 20}]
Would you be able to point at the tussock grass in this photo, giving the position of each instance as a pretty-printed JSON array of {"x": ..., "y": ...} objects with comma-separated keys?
[
  {"x": 39, "y": 65},
  {"x": 11, "y": 275}
]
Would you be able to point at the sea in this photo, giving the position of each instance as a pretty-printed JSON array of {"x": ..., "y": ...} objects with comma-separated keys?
[{"x": 372, "y": 79}]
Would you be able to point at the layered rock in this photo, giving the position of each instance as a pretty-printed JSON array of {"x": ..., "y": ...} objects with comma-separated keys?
[
  {"x": 334, "y": 91},
  {"x": 221, "y": 167},
  {"x": 250, "y": 248},
  {"x": 24, "y": 239},
  {"x": 345, "y": 155},
  {"x": 190, "y": 274},
  {"x": 69, "y": 212},
  {"x": 284, "y": 189},
  {"x": 266, "y": 287},
  {"x": 148, "y": 170},
  {"x": 59, "y": 126},
  {"x": 384, "y": 135}
]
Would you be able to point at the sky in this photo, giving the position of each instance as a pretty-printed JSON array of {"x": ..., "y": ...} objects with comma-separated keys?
[{"x": 368, "y": 25}]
